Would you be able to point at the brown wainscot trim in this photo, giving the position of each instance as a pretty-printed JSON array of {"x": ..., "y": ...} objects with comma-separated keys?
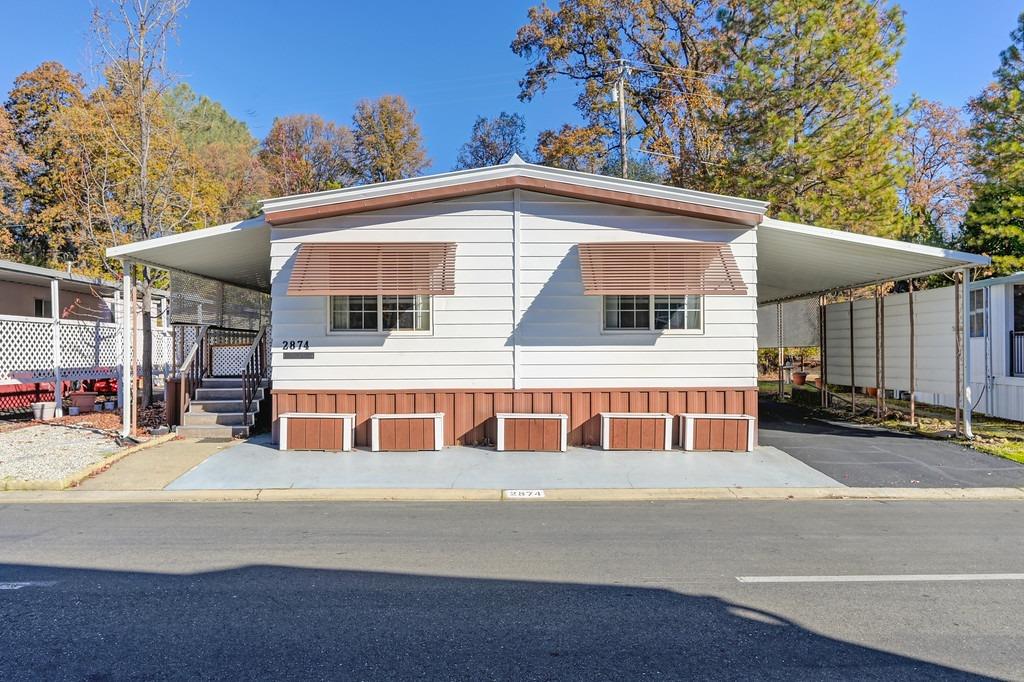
[{"x": 469, "y": 414}]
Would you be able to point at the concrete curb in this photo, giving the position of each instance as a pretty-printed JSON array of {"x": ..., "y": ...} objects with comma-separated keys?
[
  {"x": 486, "y": 495},
  {"x": 82, "y": 474}
]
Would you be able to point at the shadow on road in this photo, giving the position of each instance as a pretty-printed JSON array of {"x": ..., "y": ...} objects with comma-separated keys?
[{"x": 274, "y": 622}]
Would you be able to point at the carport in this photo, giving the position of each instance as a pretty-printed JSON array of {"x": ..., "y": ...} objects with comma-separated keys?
[{"x": 802, "y": 263}]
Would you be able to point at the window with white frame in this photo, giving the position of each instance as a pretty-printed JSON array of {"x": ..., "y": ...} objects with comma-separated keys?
[
  {"x": 380, "y": 313},
  {"x": 43, "y": 308},
  {"x": 977, "y": 313},
  {"x": 653, "y": 313}
]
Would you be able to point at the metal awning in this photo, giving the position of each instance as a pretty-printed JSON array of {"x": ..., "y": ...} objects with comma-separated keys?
[
  {"x": 234, "y": 253},
  {"x": 371, "y": 268},
  {"x": 796, "y": 261},
  {"x": 678, "y": 268}
]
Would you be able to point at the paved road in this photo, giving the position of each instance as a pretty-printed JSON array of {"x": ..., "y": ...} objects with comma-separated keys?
[
  {"x": 863, "y": 456},
  {"x": 524, "y": 591}
]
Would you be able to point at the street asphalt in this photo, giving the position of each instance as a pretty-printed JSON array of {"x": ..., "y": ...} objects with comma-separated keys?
[
  {"x": 525, "y": 591},
  {"x": 864, "y": 456}
]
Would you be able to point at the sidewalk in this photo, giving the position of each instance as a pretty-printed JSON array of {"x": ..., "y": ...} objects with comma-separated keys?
[{"x": 154, "y": 468}]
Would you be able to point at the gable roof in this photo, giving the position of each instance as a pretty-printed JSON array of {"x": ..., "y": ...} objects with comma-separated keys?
[{"x": 516, "y": 174}]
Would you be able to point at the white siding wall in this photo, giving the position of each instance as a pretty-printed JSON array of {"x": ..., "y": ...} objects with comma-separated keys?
[
  {"x": 469, "y": 346},
  {"x": 560, "y": 338},
  {"x": 558, "y": 341}
]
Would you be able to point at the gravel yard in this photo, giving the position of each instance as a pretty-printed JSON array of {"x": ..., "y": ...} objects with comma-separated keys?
[{"x": 50, "y": 453}]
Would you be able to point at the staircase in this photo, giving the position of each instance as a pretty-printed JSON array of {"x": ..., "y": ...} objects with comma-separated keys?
[
  {"x": 223, "y": 407},
  {"x": 217, "y": 411}
]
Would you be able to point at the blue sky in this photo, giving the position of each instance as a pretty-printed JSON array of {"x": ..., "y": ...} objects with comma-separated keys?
[{"x": 450, "y": 59}]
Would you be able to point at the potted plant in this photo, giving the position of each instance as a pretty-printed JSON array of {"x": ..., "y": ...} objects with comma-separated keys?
[
  {"x": 871, "y": 391},
  {"x": 799, "y": 378},
  {"x": 85, "y": 401}
]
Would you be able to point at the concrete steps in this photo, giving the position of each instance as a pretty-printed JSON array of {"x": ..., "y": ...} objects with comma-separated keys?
[{"x": 216, "y": 413}]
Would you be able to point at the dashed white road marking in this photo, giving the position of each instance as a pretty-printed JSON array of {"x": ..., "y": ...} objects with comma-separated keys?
[
  {"x": 27, "y": 583},
  {"x": 896, "y": 578}
]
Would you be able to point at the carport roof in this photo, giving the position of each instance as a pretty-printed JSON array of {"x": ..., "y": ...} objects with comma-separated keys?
[
  {"x": 794, "y": 260},
  {"x": 235, "y": 253},
  {"x": 798, "y": 261}
]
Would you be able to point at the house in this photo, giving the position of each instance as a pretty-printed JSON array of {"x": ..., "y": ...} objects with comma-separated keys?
[
  {"x": 25, "y": 291},
  {"x": 58, "y": 327},
  {"x": 519, "y": 292}
]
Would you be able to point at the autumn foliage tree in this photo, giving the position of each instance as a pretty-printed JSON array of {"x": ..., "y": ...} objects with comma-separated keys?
[
  {"x": 937, "y": 148},
  {"x": 305, "y": 153},
  {"x": 388, "y": 141}
]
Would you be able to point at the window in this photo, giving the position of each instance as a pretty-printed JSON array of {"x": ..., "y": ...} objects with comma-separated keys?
[
  {"x": 652, "y": 313},
  {"x": 977, "y": 314},
  {"x": 380, "y": 314},
  {"x": 677, "y": 312},
  {"x": 43, "y": 308},
  {"x": 627, "y": 312}
]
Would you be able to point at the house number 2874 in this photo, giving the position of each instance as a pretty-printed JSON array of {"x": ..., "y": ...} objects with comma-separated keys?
[{"x": 295, "y": 344}]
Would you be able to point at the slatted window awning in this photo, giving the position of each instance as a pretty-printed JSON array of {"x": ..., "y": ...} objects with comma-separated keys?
[
  {"x": 367, "y": 269},
  {"x": 676, "y": 268}
]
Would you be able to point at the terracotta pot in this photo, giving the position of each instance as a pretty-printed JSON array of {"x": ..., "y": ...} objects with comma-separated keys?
[
  {"x": 85, "y": 401},
  {"x": 818, "y": 382},
  {"x": 871, "y": 391},
  {"x": 799, "y": 378}
]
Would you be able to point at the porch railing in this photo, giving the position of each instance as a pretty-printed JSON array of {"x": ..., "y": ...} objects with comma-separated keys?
[
  {"x": 254, "y": 371},
  {"x": 1016, "y": 354},
  {"x": 193, "y": 369}
]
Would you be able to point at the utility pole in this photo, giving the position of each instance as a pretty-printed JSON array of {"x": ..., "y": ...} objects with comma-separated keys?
[{"x": 621, "y": 96}]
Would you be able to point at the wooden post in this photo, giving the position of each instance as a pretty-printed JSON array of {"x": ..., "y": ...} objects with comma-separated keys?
[
  {"x": 853, "y": 382},
  {"x": 913, "y": 368},
  {"x": 58, "y": 374}
]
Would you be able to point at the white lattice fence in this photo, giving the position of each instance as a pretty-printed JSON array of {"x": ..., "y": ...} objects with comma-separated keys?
[
  {"x": 89, "y": 350},
  {"x": 26, "y": 352}
]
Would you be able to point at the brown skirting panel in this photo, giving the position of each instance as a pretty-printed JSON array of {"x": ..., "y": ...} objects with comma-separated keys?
[{"x": 469, "y": 414}]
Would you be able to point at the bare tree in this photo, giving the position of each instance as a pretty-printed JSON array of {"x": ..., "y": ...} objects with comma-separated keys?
[{"x": 138, "y": 180}]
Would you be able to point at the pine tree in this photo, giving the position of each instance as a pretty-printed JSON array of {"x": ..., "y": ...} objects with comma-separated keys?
[
  {"x": 809, "y": 122},
  {"x": 995, "y": 221}
]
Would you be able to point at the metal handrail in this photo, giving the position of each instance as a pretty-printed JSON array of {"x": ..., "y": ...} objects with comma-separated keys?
[
  {"x": 253, "y": 371},
  {"x": 194, "y": 367}
]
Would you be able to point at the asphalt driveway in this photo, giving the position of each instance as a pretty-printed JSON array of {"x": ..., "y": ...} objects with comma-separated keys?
[{"x": 864, "y": 456}]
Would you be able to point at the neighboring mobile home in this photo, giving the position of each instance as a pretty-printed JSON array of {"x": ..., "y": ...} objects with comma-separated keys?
[{"x": 518, "y": 290}]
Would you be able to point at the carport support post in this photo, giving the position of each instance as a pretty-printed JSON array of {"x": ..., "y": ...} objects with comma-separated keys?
[
  {"x": 58, "y": 378},
  {"x": 782, "y": 351},
  {"x": 965, "y": 355},
  {"x": 853, "y": 383},
  {"x": 913, "y": 377},
  {"x": 878, "y": 363},
  {"x": 127, "y": 352}
]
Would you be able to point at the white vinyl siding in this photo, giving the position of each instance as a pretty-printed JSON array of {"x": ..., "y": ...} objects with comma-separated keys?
[
  {"x": 561, "y": 339},
  {"x": 468, "y": 345},
  {"x": 558, "y": 340}
]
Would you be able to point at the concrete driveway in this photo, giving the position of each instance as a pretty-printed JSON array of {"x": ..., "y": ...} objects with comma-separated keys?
[
  {"x": 257, "y": 464},
  {"x": 865, "y": 456}
]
